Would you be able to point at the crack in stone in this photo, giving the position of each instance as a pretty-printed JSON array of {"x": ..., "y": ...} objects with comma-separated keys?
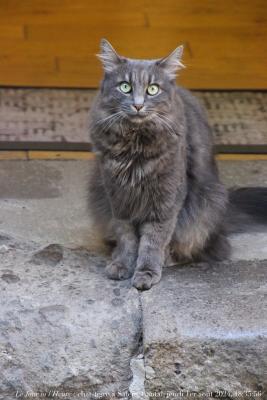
[{"x": 137, "y": 364}]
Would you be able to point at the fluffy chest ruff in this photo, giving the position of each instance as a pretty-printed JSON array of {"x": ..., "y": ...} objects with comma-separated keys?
[
  {"x": 140, "y": 189},
  {"x": 140, "y": 172}
]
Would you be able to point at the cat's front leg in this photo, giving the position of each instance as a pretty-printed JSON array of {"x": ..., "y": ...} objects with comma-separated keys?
[
  {"x": 154, "y": 238},
  {"x": 125, "y": 253}
]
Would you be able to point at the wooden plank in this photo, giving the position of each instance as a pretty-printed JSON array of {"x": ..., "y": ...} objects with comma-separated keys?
[
  {"x": 210, "y": 13},
  {"x": 13, "y": 155},
  {"x": 17, "y": 63},
  {"x": 16, "y": 8},
  {"x": 151, "y": 42},
  {"x": 11, "y": 32},
  {"x": 89, "y": 14},
  {"x": 242, "y": 157},
  {"x": 60, "y": 155},
  {"x": 225, "y": 73},
  {"x": 167, "y": 13},
  {"x": 199, "y": 78},
  {"x": 86, "y": 155},
  {"x": 146, "y": 42},
  {"x": 88, "y": 19}
]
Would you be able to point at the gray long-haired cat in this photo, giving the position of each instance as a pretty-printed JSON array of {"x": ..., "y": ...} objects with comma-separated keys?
[{"x": 155, "y": 188}]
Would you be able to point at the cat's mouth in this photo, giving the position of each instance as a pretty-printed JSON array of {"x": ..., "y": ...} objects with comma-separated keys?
[{"x": 139, "y": 117}]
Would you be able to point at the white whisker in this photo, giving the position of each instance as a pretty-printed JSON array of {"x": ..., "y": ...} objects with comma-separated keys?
[
  {"x": 109, "y": 121},
  {"x": 166, "y": 122}
]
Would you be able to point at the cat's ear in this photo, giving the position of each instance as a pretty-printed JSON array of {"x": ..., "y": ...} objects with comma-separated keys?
[
  {"x": 108, "y": 55},
  {"x": 172, "y": 63}
]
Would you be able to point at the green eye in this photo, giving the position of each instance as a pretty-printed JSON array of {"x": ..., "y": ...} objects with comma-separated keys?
[
  {"x": 152, "y": 89},
  {"x": 125, "y": 87}
]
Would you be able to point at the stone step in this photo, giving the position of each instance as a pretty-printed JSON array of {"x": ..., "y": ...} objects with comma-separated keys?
[
  {"x": 54, "y": 194},
  {"x": 64, "y": 327},
  {"x": 205, "y": 331}
]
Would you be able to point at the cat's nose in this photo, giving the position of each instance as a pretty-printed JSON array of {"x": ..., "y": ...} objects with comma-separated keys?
[{"x": 138, "y": 106}]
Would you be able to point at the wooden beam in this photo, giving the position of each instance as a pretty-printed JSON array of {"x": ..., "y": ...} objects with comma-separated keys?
[{"x": 87, "y": 155}]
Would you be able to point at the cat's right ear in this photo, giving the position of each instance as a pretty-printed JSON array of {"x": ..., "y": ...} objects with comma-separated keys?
[{"x": 108, "y": 56}]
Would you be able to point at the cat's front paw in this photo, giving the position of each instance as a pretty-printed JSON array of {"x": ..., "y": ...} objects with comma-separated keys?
[
  {"x": 118, "y": 271},
  {"x": 144, "y": 280}
]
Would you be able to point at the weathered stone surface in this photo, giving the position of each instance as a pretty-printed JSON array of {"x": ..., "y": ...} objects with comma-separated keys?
[
  {"x": 65, "y": 328},
  {"x": 46, "y": 201},
  {"x": 51, "y": 255},
  {"x": 205, "y": 330},
  {"x": 243, "y": 173},
  {"x": 249, "y": 246}
]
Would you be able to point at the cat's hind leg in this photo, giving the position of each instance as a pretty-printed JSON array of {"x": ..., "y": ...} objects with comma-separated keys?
[
  {"x": 215, "y": 248},
  {"x": 199, "y": 233}
]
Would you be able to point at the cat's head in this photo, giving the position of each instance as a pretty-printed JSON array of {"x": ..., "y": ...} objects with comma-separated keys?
[{"x": 138, "y": 90}]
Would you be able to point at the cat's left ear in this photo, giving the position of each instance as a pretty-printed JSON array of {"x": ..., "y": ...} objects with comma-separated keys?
[
  {"x": 108, "y": 55},
  {"x": 172, "y": 63}
]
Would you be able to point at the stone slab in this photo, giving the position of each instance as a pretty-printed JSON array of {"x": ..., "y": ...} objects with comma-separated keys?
[
  {"x": 46, "y": 201},
  {"x": 64, "y": 327},
  {"x": 205, "y": 331}
]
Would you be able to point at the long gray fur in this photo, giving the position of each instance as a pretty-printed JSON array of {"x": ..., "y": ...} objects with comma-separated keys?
[{"x": 155, "y": 188}]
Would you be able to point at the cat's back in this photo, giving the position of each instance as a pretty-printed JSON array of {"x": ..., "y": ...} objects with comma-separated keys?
[
  {"x": 191, "y": 103},
  {"x": 198, "y": 130}
]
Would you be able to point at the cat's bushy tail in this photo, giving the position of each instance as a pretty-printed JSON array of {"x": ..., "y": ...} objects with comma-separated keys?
[{"x": 247, "y": 209}]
